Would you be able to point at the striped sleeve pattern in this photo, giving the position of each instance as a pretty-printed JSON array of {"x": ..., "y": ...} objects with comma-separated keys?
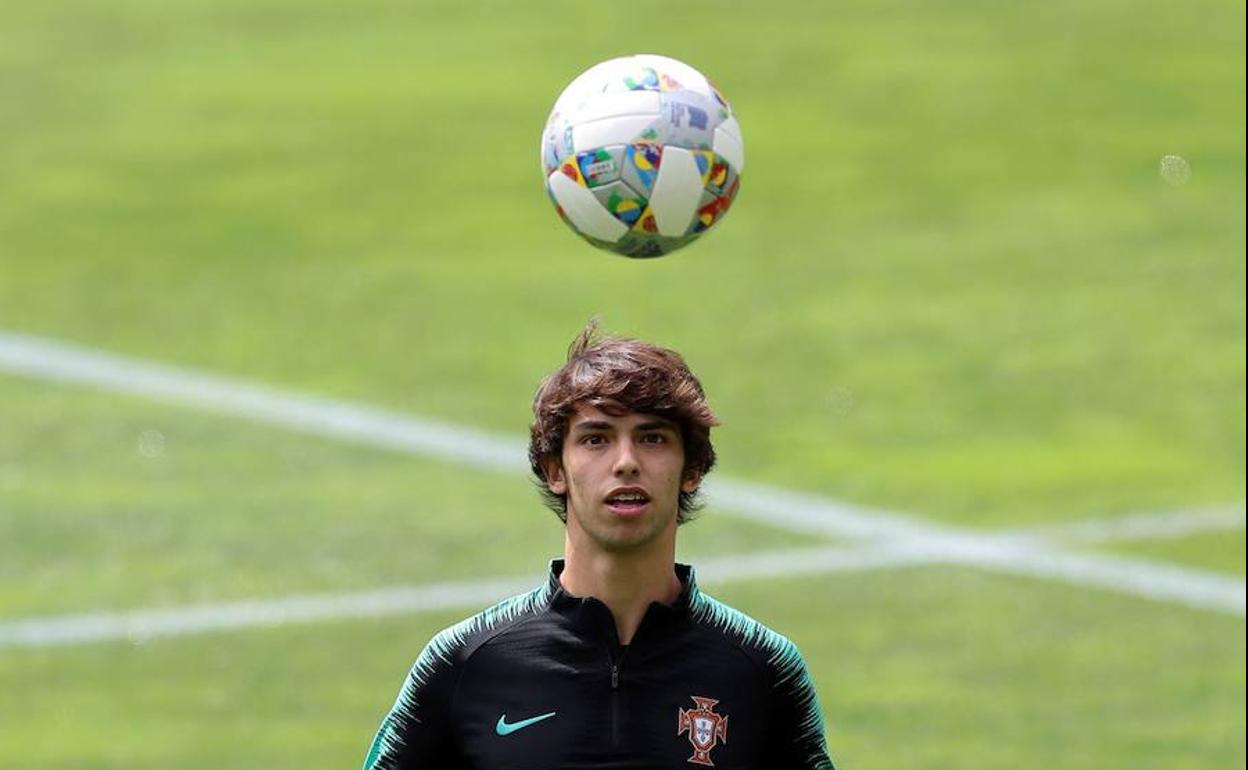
[{"x": 416, "y": 733}]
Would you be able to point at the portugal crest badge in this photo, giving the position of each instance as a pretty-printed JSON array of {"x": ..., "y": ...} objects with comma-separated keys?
[{"x": 705, "y": 728}]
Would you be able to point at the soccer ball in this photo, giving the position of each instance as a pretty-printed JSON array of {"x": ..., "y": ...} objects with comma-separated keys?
[{"x": 642, "y": 155}]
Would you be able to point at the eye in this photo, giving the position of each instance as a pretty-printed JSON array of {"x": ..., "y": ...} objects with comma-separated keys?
[
  {"x": 653, "y": 438},
  {"x": 593, "y": 439}
]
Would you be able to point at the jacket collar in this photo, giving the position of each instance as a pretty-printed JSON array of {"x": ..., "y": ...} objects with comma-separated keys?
[{"x": 560, "y": 599}]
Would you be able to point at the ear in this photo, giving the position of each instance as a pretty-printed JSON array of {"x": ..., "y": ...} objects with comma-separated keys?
[
  {"x": 554, "y": 476},
  {"x": 691, "y": 481}
]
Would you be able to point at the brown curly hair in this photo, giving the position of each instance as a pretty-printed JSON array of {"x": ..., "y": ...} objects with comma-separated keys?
[{"x": 620, "y": 375}]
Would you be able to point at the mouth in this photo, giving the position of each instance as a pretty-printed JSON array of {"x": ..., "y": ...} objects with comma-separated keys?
[{"x": 627, "y": 501}]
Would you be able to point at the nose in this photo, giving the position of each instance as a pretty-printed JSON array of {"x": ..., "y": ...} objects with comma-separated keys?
[{"x": 625, "y": 460}]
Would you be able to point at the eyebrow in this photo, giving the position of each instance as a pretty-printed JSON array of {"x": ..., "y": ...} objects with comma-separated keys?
[{"x": 592, "y": 425}]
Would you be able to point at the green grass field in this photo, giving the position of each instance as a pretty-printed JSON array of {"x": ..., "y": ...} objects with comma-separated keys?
[{"x": 954, "y": 285}]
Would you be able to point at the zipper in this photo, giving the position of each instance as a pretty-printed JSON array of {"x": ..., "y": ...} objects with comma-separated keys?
[
  {"x": 616, "y": 697},
  {"x": 615, "y": 706},
  {"x": 613, "y": 718}
]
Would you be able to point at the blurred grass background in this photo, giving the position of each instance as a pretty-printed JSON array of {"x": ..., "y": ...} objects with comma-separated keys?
[{"x": 954, "y": 283}]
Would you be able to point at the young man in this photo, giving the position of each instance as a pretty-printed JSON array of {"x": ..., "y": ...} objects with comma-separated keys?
[{"x": 619, "y": 660}]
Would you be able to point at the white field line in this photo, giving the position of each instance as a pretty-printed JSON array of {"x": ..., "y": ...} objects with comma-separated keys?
[
  {"x": 46, "y": 360},
  {"x": 1032, "y": 556},
  {"x": 1220, "y": 593},
  {"x": 797, "y": 512},
  {"x": 1145, "y": 526},
  {"x": 140, "y": 625}
]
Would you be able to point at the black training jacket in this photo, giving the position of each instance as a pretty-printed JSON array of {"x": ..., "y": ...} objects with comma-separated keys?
[{"x": 541, "y": 682}]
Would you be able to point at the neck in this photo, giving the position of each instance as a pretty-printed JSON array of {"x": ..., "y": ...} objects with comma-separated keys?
[{"x": 626, "y": 582}]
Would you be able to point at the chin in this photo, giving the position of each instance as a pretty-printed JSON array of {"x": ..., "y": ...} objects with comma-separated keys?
[{"x": 618, "y": 542}]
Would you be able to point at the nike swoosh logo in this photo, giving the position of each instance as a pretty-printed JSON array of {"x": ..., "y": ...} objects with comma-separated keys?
[{"x": 502, "y": 728}]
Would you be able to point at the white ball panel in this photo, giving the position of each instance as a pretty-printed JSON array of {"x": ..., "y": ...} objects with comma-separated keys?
[
  {"x": 676, "y": 191},
  {"x": 617, "y": 105},
  {"x": 618, "y": 130},
  {"x": 728, "y": 144},
  {"x": 590, "y": 82},
  {"x": 731, "y": 126},
  {"x": 584, "y": 210}
]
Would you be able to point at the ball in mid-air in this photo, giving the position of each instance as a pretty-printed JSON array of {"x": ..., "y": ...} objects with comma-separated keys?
[{"x": 642, "y": 155}]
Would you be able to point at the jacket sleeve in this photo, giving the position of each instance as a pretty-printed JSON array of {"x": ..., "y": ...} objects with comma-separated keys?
[
  {"x": 796, "y": 734},
  {"x": 417, "y": 734}
]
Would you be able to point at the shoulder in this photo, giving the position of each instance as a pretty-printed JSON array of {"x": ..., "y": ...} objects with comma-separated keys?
[
  {"x": 453, "y": 646},
  {"x": 797, "y": 719},
  {"x": 770, "y": 650}
]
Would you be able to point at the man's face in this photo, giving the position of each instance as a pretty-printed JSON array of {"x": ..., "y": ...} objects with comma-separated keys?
[{"x": 622, "y": 477}]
